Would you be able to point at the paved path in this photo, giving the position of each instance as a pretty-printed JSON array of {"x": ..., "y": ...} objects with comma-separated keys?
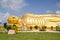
[
  {"x": 38, "y": 31},
  {"x": 41, "y": 31}
]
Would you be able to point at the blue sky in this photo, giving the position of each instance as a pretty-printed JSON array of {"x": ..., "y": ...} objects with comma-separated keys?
[
  {"x": 20, "y": 7},
  {"x": 40, "y": 6}
]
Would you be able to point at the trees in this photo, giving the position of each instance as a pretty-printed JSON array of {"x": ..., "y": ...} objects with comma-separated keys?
[{"x": 7, "y": 27}]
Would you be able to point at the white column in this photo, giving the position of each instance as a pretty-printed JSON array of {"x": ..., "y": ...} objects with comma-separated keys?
[{"x": 24, "y": 27}]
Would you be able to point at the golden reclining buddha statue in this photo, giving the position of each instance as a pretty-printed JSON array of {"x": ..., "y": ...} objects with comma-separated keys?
[
  {"x": 34, "y": 19},
  {"x": 39, "y": 19}
]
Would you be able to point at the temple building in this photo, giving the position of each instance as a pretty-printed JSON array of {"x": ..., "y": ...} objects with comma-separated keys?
[{"x": 35, "y": 22}]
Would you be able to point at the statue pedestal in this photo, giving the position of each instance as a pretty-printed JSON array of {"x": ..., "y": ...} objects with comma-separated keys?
[{"x": 11, "y": 32}]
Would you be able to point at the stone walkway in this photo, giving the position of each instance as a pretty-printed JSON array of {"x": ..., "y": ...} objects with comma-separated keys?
[
  {"x": 38, "y": 31},
  {"x": 41, "y": 31}
]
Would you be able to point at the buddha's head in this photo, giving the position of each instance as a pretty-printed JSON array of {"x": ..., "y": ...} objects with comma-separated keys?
[{"x": 13, "y": 19}]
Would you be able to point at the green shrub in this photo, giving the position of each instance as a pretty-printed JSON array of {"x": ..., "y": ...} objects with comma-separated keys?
[
  {"x": 5, "y": 25},
  {"x": 9, "y": 26}
]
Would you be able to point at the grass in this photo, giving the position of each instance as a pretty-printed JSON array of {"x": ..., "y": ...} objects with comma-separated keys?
[{"x": 30, "y": 36}]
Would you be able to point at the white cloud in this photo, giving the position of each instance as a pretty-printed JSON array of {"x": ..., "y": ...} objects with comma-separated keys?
[
  {"x": 4, "y": 16},
  {"x": 48, "y": 11},
  {"x": 13, "y": 4},
  {"x": 57, "y": 12}
]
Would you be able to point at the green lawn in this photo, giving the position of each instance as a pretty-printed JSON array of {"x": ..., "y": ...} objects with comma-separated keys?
[{"x": 30, "y": 36}]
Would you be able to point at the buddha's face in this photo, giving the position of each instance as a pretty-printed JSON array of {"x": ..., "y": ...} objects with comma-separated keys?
[{"x": 13, "y": 19}]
